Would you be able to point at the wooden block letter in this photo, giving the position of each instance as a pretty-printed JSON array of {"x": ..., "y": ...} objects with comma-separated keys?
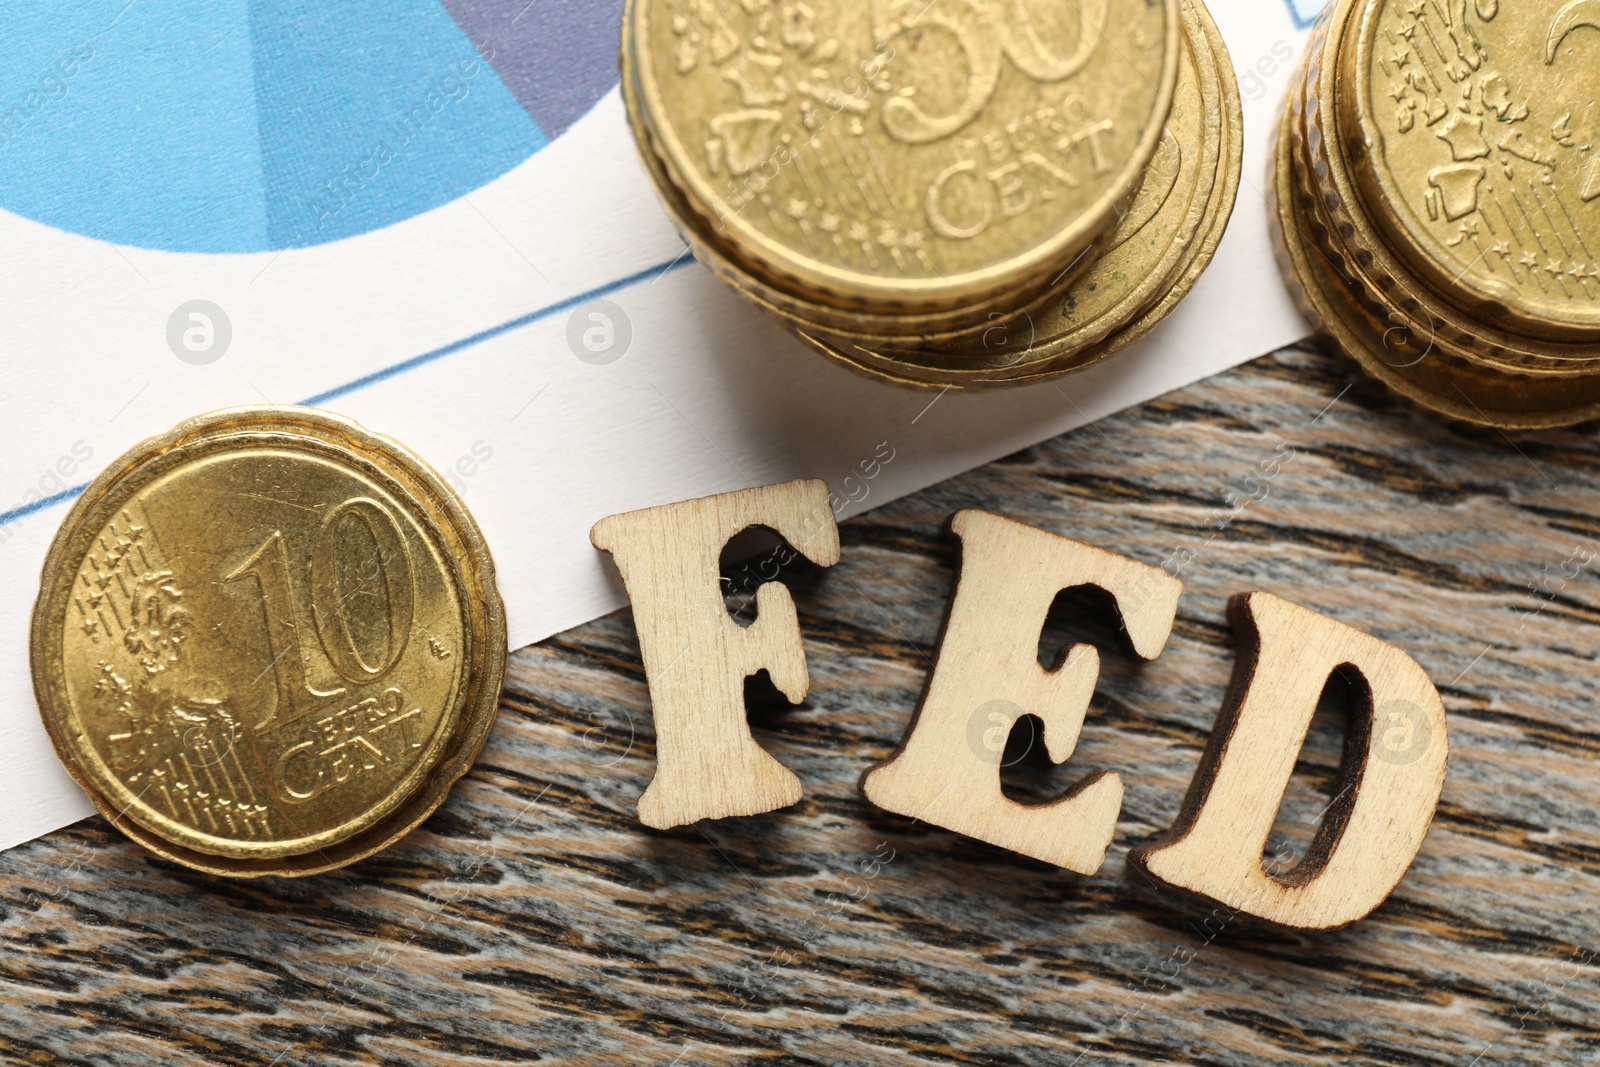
[
  {"x": 696, "y": 657},
  {"x": 1371, "y": 832},
  {"x": 987, "y": 675}
]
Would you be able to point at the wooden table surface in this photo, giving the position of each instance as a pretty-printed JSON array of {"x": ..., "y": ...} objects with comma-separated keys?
[{"x": 534, "y": 918}]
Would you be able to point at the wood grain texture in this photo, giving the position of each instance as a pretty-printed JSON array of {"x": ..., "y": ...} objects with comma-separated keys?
[{"x": 533, "y": 917}]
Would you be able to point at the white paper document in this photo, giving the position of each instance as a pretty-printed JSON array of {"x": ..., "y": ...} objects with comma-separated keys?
[{"x": 178, "y": 235}]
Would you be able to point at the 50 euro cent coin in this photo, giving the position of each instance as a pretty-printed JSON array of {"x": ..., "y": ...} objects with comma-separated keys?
[
  {"x": 268, "y": 642},
  {"x": 899, "y": 157}
]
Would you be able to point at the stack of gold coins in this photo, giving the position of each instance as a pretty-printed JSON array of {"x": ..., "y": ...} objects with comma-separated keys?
[
  {"x": 1437, "y": 199},
  {"x": 957, "y": 193},
  {"x": 268, "y": 642}
]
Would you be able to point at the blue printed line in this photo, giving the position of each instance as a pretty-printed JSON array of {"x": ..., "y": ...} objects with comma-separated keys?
[
  {"x": 649, "y": 274},
  {"x": 8, "y": 517}
]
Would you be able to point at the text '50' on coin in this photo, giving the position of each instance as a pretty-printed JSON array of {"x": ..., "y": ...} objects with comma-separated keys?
[{"x": 268, "y": 642}]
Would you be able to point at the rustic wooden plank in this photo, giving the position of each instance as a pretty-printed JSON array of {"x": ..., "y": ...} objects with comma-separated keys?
[{"x": 534, "y": 917}]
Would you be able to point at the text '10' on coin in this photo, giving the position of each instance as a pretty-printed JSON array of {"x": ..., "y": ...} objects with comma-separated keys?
[{"x": 268, "y": 642}]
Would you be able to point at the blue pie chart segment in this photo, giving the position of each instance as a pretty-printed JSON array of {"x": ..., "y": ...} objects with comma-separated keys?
[{"x": 256, "y": 125}]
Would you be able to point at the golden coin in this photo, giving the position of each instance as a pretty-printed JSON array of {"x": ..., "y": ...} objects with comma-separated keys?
[
  {"x": 899, "y": 154},
  {"x": 1375, "y": 271},
  {"x": 1409, "y": 366},
  {"x": 268, "y": 642},
  {"x": 1156, "y": 253},
  {"x": 1478, "y": 137}
]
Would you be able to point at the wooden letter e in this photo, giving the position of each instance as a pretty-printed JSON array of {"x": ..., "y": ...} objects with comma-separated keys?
[{"x": 987, "y": 675}]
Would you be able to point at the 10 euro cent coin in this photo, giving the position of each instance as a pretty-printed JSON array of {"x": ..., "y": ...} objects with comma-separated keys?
[{"x": 268, "y": 642}]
